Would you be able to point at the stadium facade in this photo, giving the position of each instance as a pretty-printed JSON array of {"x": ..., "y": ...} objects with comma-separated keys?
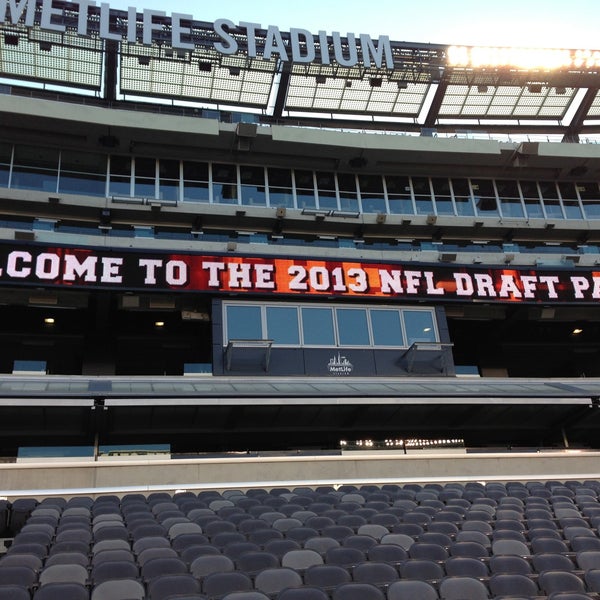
[{"x": 224, "y": 237}]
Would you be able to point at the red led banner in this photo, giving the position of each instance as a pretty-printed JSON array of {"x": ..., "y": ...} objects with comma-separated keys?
[{"x": 78, "y": 267}]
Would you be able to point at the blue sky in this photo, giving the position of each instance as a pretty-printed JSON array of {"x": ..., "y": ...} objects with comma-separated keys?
[{"x": 533, "y": 23}]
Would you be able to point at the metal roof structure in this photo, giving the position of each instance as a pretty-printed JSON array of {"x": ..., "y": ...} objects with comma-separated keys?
[{"x": 411, "y": 87}]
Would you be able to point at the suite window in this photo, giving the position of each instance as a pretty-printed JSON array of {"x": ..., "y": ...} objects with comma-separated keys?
[
  {"x": 387, "y": 327},
  {"x": 244, "y": 322},
  {"x": 35, "y": 168},
  {"x": 280, "y": 187},
  {"x": 196, "y": 184},
  {"x": 225, "y": 190},
  {"x": 145, "y": 178},
  {"x": 169, "y": 180},
  {"x": 590, "y": 198},
  {"x": 462, "y": 198},
  {"x": 282, "y": 325},
  {"x": 82, "y": 173},
  {"x": 317, "y": 327},
  {"x": 551, "y": 201},
  {"x": 253, "y": 186},
  {"x": 372, "y": 196},
  {"x": 423, "y": 199},
  {"x": 305, "y": 189},
  {"x": 326, "y": 190},
  {"x": 510, "y": 198},
  {"x": 570, "y": 200},
  {"x": 443, "y": 195},
  {"x": 485, "y": 197},
  {"x": 348, "y": 192},
  {"x": 353, "y": 329},
  {"x": 531, "y": 199},
  {"x": 399, "y": 195},
  {"x": 332, "y": 325},
  {"x": 419, "y": 326},
  {"x": 120, "y": 176}
]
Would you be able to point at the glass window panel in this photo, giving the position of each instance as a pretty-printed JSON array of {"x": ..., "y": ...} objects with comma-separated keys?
[
  {"x": 348, "y": 192},
  {"x": 485, "y": 197},
  {"x": 254, "y": 195},
  {"x": 36, "y": 156},
  {"x": 588, "y": 190},
  {"x": 30, "y": 178},
  {"x": 419, "y": 326},
  {"x": 305, "y": 189},
  {"x": 195, "y": 191},
  {"x": 399, "y": 195},
  {"x": 464, "y": 206},
  {"x": 531, "y": 198},
  {"x": 443, "y": 195},
  {"x": 462, "y": 198},
  {"x": 423, "y": 199},
  {"x": 83, "y": 162},
  {"x": 548, "y": 189},
  {"x": 553, "y": 208},
  {"x": 372, "y": 184},
  {"x": 282, "y": 325},
  {"x": 83, "y": 183},
  {"x": 373, "y": 203},
  {"x": 325, "y": 181},
  {"x": 401, "y": 205},
  {"x": 145, "y": 167},
  {"x": 305, "y": 198},
  {"x": 243, "y": 322},
  {"x": 168, "y": 169},
  {"x": 592, "y": 209},
  {"x": 196, "y": 171},
  {"x": 225, "y": 193},
  {"x": 567, "y": 190},
  {"x": 572, "y": 209},
  {"x": 168, "y": 190},
  {"x": 5, "y": 160},
  {"x": 328, "y": 200},
  {"x": 353, "y": 329},
  {"x": 120, "y": 165},
  {"x": 224, "y": 173},
  {"x": 507, "y": 188},
  {"x": 281, "y": 197},
  {"x": 5, "y": 153},
  {"x": 120, "y": 186},
  {"x": 317, "y": 327},
  {"x": 279, "y": 177},
  {"x": 386, "y": 327},
  {"x": 512, "y": 207}
]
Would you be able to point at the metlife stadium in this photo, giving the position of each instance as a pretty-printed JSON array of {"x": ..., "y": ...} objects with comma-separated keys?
[{"x": 216, "y": 237}]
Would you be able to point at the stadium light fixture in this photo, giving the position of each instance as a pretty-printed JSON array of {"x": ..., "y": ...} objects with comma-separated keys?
[
  {"x": 577, "y": 331},
  {"x": 482, "y": 89}
]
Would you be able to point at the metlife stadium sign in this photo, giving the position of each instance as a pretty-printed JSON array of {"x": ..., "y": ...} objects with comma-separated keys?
[
  {"x": 53, "y": 266},
  {"x": 177, "y": 31}
]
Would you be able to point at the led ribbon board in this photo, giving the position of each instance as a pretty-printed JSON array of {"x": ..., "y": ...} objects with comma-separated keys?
[{"x": 84, "y": 267}]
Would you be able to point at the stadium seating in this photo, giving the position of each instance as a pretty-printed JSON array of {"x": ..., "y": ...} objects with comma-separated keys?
[{"x": 522, "y": 543}]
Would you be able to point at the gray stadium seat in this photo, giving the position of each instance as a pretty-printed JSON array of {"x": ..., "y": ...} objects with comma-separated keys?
[
  {"x": 513, "y": 584},
  {"x": 459, "y": 588},
  {"x": 411, "y": 590},
  {"x": 172, "y": 585},
  {"x": 273, "y": 581},
  {"x": 62, "y": 591},
  {"x": 357, "y": 591}
]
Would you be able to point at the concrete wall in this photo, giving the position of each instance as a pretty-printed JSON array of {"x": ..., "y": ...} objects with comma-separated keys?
[{"x": 250, "y": 471}]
